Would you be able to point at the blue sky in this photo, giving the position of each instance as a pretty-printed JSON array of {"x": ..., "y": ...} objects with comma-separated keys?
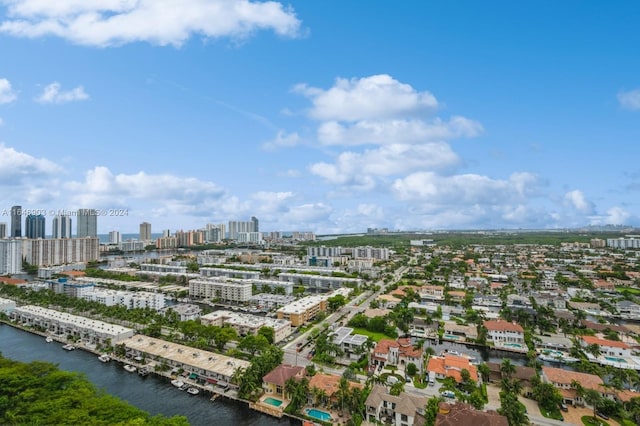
[{"x": 325, "y": 116}]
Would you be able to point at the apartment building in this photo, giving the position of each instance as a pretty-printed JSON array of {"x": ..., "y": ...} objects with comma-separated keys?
[
  {"x": 64, "y": 324},
  {"x": 319, "y": 282},
  {"x": 222, "y": 290},
  {"x": 209, "y": 366},
  {"x": 303, "y": 310},
  {"x": 247, "y": 324},
  {"x": 58, "y": 251}
]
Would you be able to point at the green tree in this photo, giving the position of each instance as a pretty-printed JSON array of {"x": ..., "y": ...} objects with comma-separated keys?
[
  {"x": 411, "y": 369},
  {"x": 431, "y": 410},
  {"x": 268, "y": 333}
]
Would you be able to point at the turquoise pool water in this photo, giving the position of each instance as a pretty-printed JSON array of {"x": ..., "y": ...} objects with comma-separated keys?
[
  {"x": 273, "y": 401},
  {"x": 513, "y": 345},
  {"x": 614, "y": 359},
  {"x": 451, "y": 336},
  {"x": 318, "y": 414}
]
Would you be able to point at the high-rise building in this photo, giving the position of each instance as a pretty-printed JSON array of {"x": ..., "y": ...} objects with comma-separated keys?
[
  {"x": 3, "y": 230},
  {"x": 166, "y": 233},
  {"x": 256, "y": 224},
  {"x": 238, "y": 226},
  {"x": 87, "y": 223},
  {"x": 16, "y": 221},
  {"x": 10, "y": 257},
  {"x": 34, "y": 226},
  {"x": 115, "y": 237},
  {"x": 61, "y": 227},
  {"x": 145, "y": 231}
]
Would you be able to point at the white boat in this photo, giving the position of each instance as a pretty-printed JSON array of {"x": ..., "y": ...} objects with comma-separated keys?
[
  {"x": 193, "y": 391},
  {"x": 144, "y": 371},
  {"x": 49, "y": 339},
  {"x": 68, "y": 347},
  {"x": 177, "y": 383},
  {"x": 104, "y": 358},
  {"x": 130, "y": 368}
]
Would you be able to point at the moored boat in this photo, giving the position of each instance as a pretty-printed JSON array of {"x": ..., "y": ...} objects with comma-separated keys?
[
  {"x": 193, "y": 391},
  {"x": 68, "y": 347},
  {"x": 177, "y": 383},
  {"x": 49, "y": 339},
  {"x": 130, "y": 368},
  {"x": 104, "y": 358}
]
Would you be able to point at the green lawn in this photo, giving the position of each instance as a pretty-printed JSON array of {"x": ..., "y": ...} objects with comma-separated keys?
[
  {"x": 375, "y": 336},
  {"x": 590, "y": 421},
  {"x": 556, "y": 414}
]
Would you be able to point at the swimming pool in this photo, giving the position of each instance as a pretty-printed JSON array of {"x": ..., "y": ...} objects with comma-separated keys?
[
  {"x": 513, "y": 345},
  {"x": 614, "y": 359},
  {"x": 451, "y": 336},
  {"x": 273, "y": 401},
  {"x": 318, "y": 414}
]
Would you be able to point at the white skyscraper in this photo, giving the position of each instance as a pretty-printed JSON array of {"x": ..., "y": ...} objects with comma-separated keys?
[
  {"x": 61, "y": 227},
  {"x": 115, "y": 237},
  {"x": 10, "y": 257}
]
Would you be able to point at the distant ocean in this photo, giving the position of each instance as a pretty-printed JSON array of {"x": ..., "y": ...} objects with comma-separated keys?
[{"x": 104, "y": 238}]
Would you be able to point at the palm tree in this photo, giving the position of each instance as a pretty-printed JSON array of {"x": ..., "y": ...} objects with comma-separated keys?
[{"x": 507, "y": 369}]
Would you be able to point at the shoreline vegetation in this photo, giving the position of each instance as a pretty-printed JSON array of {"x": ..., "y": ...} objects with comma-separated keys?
[{"x": 39, "y": 393}]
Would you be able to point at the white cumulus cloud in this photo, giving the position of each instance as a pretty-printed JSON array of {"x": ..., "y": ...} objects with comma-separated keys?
[
  {"x": 101, "y": 188},
  {"x": 465, "y": 189},
  {"x": 160, "y": 22},
  {"x": 52, "y": 94},
  {"x": 7, "y": 95},
  {"x": 374, "y": 97},
  {"x": 362, "y": 169},
  {"x": 630, "y": 100},
  {"x": 576, "y": 200},
  {"x": 384, "y": 132},
  {"x": 17, "y": 166}
]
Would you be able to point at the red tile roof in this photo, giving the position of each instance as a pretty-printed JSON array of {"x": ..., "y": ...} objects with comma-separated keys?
[
  {"x": 589, "y": 340},
  {"x": 282, "y": 373},
  {"x": 502, "y": 325}
]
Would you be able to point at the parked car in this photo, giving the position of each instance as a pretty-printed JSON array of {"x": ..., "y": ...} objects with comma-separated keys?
[
  {"x": 564, "y": 407},
  {"x": 448, "y": 394},
  {"x": 602, "y": 415}
]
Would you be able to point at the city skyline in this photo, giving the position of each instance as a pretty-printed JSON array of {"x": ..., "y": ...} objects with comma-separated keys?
[{"x": 325, "y": 117}]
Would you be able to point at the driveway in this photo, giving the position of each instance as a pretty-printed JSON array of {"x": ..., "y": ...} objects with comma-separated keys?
[{"x": 574, "y": 416}]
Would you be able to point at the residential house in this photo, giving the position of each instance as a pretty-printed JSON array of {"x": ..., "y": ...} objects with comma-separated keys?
[
  {"x": 628, "y": 309},
  {"x": 430, "y": 293},
  {"x": 352, "y": 345},
  {"x": 274, "y": 382},
  {"x": 459, "y": 333},
  {"x": 451, "y": 366},
  {"x": 565, "y": 381},
  {"x": 423, "y": 329},
  {"x": 328, "y": 384},
  {"x": 402, "y": 410},
  {"x": 500, "y": 332},
  {"x": 524, "y": 375},
  {"x": 397, "y": 353},
  {"x": 608, "y": 348},
  {"x": 461, "y": 414}
]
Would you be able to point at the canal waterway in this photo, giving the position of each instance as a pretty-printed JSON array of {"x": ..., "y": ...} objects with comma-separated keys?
[{"x": 152, "y": 393}]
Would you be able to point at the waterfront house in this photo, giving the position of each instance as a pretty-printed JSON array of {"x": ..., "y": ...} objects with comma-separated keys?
[
  {"x": 451, "y": 366},
  {"x": 608, "y": 348},
  {"x": 273, "y": 382},
  {"x": 566, "y": 380},
  {"x": 212, "y": 367},
  {"x": 327, "y": 385},
  {"x": 402, "y": 410},
  {"x": 524, "y": 375},
  {"x": 501, "y": 332}
]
